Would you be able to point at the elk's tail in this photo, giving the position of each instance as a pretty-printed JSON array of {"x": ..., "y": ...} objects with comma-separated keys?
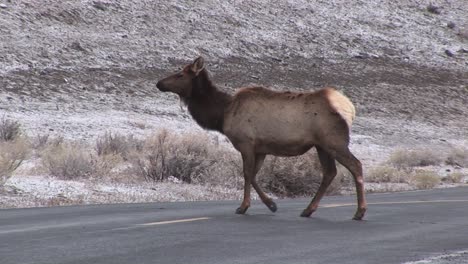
[{"x": 342, "y": 105}]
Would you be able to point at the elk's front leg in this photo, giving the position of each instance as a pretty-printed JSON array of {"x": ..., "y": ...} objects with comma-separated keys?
[
  {"x": 248, "y": 161},
  {"x": 259, "y": 158}
]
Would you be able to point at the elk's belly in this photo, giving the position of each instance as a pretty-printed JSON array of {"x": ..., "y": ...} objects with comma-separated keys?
[
  {"x": 285, "y": 149},
  {"x": 279, "y": 142}
]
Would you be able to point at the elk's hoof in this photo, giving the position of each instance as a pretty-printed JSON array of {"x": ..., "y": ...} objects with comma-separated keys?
[
  {"x": 359, "y": 214},
  {"x": 241, "y": 210},
  {"x": 306, "y": 213},
  {"x": 272, "y": 207}
]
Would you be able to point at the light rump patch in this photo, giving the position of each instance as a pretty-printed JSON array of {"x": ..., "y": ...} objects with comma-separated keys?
[{"x": 342, "y": 105}]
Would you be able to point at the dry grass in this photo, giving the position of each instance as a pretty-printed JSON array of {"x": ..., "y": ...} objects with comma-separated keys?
[
  {"x": 40, "y": 141},
  {"x": 12, "y": 155},
  {"x": 73, "y": 161},
  {"x": 9, "y": 129},
  {"x": 406, "y": 159},
  {"x": 189, "y": 158},
  {"x": 68, "y": 161},
  {"x": 299, "y": 176},
  {"x": 458, "y": 157},
  {"x": 116, "y": 144},
  {"x": 455, "y": 177},
  {"x": 425, "y": 179},
  {"x": 385, "y": 173}
]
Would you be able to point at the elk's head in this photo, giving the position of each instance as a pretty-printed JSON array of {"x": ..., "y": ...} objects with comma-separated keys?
[{"x": 182, "y": 82}]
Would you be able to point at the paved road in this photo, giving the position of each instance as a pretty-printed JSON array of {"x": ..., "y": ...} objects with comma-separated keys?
[{"x": 399, "y": 228}]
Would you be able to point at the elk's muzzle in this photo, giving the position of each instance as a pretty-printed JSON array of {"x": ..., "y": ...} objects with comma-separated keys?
[{"x": 161, "y": 87}]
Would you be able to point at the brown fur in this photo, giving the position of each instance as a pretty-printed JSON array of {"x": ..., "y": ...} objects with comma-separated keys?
[{"x": 261, "y": 122}]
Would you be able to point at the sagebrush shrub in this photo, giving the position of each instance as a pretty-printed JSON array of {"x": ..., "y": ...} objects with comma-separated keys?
[
  {"x": 68, "y": 161},
  {"x": 116, "y": 144},
  {"x": 188, "y": 158},
  {"x": 12, "y": 155},
  {"x": 386, "y": 173},
  {"x": 291, "y": 176},
  {"x": 458, "y": 157},
  {"x": 455, "y": 177},
  {"x": 74, "y": 161},
  {"x": 40, "y": 141},
  {"x": 405, "y": 159},
  {"x": 425, "y": 179},
  {"x": 9, "y": 129}
]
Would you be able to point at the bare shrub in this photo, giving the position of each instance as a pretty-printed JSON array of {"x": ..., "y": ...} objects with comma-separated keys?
[
  {"x": 12, "y": 155},
  {"x": 292, "y": 176},
  {"x": 300, "y": 176},
  {"x": 56, "y": 141},
  {"x": 61, "y": 201},
  {"x": 458, "y": 157},
  {"x": 404, "y": 159},
  {"x": 425, "y": 179},
  {"x": 386, "y": 173},
  {"x": 40, "y": 141},
  {"x": 9, "y": 129},
  {"x": 112, "y": 144},
  {"x": 104, "y": 166},
  {"x": 227, "y": 169},
  {"x": 73, "y": 161},
  {"x": 456, "y": 177},
  {"x": 191, "y": 157},
  {"x": 188, "y": 158},
  {"x": 68, "y": 161},
  {"x": 149, "y": 163}
]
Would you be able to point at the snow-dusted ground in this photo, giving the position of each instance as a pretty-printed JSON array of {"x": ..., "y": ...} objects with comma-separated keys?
[
  {"x": 34, "y": 191},
  {"x": 77, "y": 69}
]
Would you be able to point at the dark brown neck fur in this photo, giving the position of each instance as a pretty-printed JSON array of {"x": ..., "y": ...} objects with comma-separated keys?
[{"x": 206, "y": 103}]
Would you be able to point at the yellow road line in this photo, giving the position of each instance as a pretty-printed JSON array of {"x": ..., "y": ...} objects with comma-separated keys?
[
  {"x": 174, "y": 221},
  {"x": 403, "y": 202}
]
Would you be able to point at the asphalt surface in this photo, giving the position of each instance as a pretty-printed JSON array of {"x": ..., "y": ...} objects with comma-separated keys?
[{"x": 399, "y": 227}]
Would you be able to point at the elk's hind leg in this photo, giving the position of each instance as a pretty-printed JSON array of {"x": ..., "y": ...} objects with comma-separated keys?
[
  {"x": 259, "y": 158},
  {"x": 329, "y": 173},
  {"x": 347, "y": 159}
]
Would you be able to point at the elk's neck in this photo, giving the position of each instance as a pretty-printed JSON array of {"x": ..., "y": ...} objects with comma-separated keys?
[{"x": 207, "y": 104}]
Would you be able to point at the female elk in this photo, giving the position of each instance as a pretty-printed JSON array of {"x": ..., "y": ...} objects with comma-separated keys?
[{"x": 259, "y": 122}]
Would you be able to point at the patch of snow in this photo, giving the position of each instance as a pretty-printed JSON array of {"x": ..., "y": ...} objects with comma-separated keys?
[{"x": 459, "y": 257}]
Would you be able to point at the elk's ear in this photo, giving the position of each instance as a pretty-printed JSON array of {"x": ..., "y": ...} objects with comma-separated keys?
[{"x": 198, "y": 65}]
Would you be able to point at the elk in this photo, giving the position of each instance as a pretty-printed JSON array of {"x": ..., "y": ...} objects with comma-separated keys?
[{"x": 261, "y": 122}]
